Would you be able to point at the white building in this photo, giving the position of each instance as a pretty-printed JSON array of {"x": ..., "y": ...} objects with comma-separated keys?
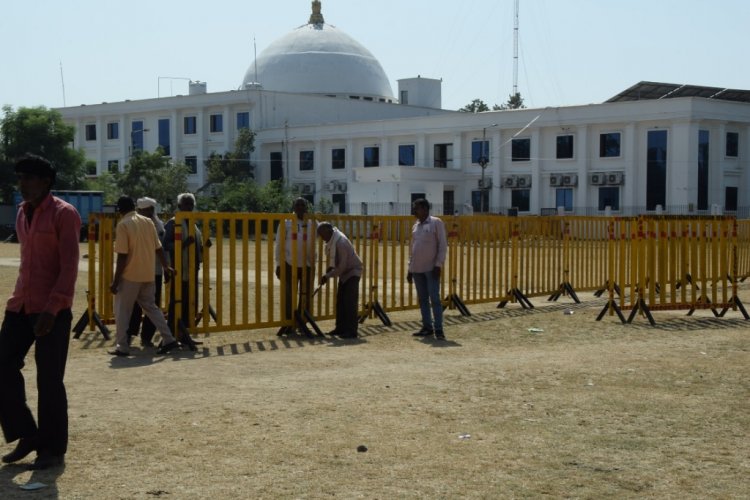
[{"x": 326, "y": 121}]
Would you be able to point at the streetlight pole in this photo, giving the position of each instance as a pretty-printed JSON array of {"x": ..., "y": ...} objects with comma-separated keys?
[{"x": 483, "y": 161}]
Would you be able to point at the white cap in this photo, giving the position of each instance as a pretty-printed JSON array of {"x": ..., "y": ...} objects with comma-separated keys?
[{"x": 146, "y": 202}]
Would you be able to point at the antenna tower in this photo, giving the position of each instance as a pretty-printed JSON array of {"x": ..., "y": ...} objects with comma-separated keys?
[{"x": 515, "y": 50}]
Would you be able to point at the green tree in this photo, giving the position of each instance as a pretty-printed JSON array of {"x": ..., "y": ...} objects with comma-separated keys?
[
  {"x": 515, "y": 101},
  {"x": 233, "y": 166},
  {"x": 150, "y": 174},
  {"x": 39, "y": 131},
  {"x": 475, "y": 106}
]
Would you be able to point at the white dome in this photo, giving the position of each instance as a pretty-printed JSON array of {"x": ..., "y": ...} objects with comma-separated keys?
[{"x": 317, "y": 58}]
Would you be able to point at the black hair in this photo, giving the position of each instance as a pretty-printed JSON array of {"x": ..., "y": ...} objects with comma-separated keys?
[{"x": 36, "y": 165}]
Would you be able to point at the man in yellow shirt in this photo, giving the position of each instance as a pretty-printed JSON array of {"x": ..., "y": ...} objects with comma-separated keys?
[{"x": 137, "y": 245}]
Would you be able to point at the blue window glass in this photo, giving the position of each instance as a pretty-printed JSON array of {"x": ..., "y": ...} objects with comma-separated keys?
[
  {"x": 609, "y": 197},
  {"x": 338, "y": 158},
  {"x": 406, "y": 155},
  {"x": 113, "y": 130},
  {"x": 521, "y": 199},
  {"x": 733, "y": 144},
  {"x": 216, "y": 123},
  {"x": 191, "y": 125},
  {"x": 609, "y": 145},
  {"x": 192, "y": 164},
  {"x": 480, "y": 150},
  {"x": 520, "y": 151},
  {"x": 164, "y": 136},
  {"x": 91, "y": 132},
  {"x": 243, "y": 120},
  {"x": 564, "y": 198},
  {"x": 564, "y": 147},
  {"x": 372, "y": 157},
  {"x": 306, "y": 160},
  {"x": 136, "y": 136},
  {"x": 703, "y": 137},
  {"x": 656, "y": 169},
  {"x": 730, "y": 199}
]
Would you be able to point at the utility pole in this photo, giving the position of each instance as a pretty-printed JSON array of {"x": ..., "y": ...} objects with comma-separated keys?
[{"x": 515, "y": 50}]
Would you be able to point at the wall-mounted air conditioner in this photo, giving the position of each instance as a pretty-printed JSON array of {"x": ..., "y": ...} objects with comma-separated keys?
[
  {"x": 308, "y": 188},
  {"x": 597, "y": 179},
  {"x": 341, "y": 185},
  {"x": 555, "y": 180},
  {"x": 570, "y": 180},
  {"x": 332, "y": 185},
  {"x": 509, "y": 181},
  {"x": 523, "y": 181},
  {"x": 485, "y": 183},
  {"x": 615, "y": 178}
]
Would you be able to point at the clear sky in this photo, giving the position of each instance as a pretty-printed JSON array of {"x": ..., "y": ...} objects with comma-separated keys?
[{"x": 570, "y": 52}]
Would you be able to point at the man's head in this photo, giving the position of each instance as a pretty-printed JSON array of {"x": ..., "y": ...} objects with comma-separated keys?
[
  {"x": 186, "y": 202},
  {"x": 125, "y": 204},
  {"x": 36, "y": 176},
  {"x": 146, "y": 206},
  {"x": 420, "y": 208},
  {"x": 325, "y": 231},
  {"x": 300, "y": 207}
]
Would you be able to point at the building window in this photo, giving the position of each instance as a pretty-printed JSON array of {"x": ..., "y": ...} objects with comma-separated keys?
[
  {"x": 480, "y": 203},
  {"x": 372, "y": 156},
  {"x": 277, "y": 166},
  {"x": 164, "y": 136},
  {"x": 521, "y": 199},
  {"x": 656, "y": 169},
  {"x": 730, "y": 199},
  {"x": 136, "y": 136},
  {"x": 91, "y": 168},
  {"x": 480, "y": 150},
  {"x": 564, "y": 147},
  {"x": 520, "y": 151},
  {"x": 443, "y": 155},
  {"x": 216, "y": 123},
  {"x": 191, "y": 125},
  {"x": 243, "y": 120},
  {"x": 609, "y": 145},
  {"x": 564, "y": 198},
  {"x": 449, "y": 203},
  {"x": 703, "y": 137},
  {"x": 406, "y": 155},
  {"x": 91, "y": 132},
  {"x": 307, "y": 160},
  {"x": 404, "y": 97},
  {"x": 609, "y": 197},
  {"x": 339, "y": 203},
  {"x": 113, "y": 130},
  {"x": 191, "y": 162},
  {"x": 338, "y": 158},
  {"x": 113, "y": 166},
  {"x": 733, "y": 143}
]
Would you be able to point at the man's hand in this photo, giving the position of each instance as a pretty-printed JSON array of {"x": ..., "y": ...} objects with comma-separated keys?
[
  {"x": 113, "y": 287},
  {"x": 323, "y": 279},
  {"x": 44, "y": 324},
  {"x": 409, "y": 278},
  {"x": 168, "y": 273},
  {"x": 278, "y": 272},
  {"x": 436, "y": 273}
]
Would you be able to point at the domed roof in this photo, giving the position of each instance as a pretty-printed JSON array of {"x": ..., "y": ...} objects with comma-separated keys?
[{"x": 317, "y": 58}]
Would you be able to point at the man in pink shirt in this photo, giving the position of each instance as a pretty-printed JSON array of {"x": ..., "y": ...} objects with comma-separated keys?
[
  {"x": 39, "y": 313},
  {"x": 429, "y": 246}
]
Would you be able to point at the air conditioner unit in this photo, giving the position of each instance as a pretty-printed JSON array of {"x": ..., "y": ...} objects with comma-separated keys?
[
  {"x": 308, "y": 188},
  {"x": 615, "y": 178},
  {"x": 341, "y": 186},
  {"x": 570, "y": 180},
  {"x": 332, "y": 185},
  {"x": 523, "y": 181},
  {"x": 555, "y": 180},
  {"x": 509, "y": 181},
  {"x": 485, "y": 183},
  {"x": 597, "y": 179},
  {"x": 299, "y": 187}
]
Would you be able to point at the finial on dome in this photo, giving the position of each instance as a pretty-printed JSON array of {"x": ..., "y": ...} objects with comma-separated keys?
[{"x": 316, "y": 17}]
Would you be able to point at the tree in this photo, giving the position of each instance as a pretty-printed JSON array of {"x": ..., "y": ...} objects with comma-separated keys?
[
  {"x": 233, "y": 166},
  {"x": 515, "y": 101},
  {"x": 39, "y": 131},
  {"x": 153, "y": 175},
  {"x": 475, "y": 106}
]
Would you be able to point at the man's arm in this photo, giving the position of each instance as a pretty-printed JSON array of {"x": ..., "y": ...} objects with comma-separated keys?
[{"x": 122, "y": 259}]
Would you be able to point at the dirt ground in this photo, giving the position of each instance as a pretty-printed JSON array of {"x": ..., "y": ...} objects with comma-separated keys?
[{"x": 580, "y": 409}]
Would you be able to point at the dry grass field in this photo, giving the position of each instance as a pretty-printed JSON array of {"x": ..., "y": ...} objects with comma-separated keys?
[{"x": 582, "y": 409}]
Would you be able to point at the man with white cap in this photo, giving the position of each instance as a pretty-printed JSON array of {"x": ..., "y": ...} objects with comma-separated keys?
[{"x": 147, "y": 207}]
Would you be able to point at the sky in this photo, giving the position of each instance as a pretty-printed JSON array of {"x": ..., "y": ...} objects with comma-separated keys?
[{"x": 72, "y": 52}]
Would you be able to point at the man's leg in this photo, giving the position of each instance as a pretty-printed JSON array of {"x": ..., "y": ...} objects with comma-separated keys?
[
  {"x": 148, "y": 329},
  {"x": 124, "y": 300},
  {"x": 16, "y": 337},
  {"x": 348, "y": 295},
  {"x": 146, "y": 300},
  {"x": 433, "y": 288},
  {"x": 423, "y": 296},
  {"x": 51, "y": 354}
]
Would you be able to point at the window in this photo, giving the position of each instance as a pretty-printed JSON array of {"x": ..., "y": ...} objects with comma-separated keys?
[
  {"x": 404, "y": 97},
  {"x": 113, "y": 130},
  {"x": 733, "y": 143},
  {"x": 277, "y": 166},
  {"x": 216, "y": 123},
  {"x": 339, "y": 203},
  {"x": 564, "y": 198},
  {"x": 520, "y": 151},
  {"x": 406, "y": 155},
  {"x": 91, "y": 168},
  {"x": 243, "y": 120},
  {"x": 480, "y": 150},
  {"x": 609, "y": 145},
  {"x": 191, "y": 125},
  {"x": 521, "y": 199},
  {"x": 656, "y": 169},
  {"x": 307, "y": 160},
  {"x": 730, "y": 199},
  {"x": 164, "y": 136},
  {"x": 113, "y": 166},
  {"x": 443, "y": 155},
  {"x": 449, "y": 204},
  {"x": 91, "y": 132},
  {"x": 192, "y": 164},
  {"x": 136, "y": 136},
  {"x": 372, "y": 156},
  {"x": 338, "y": 158},
  {"x": 479, "y": 203},
  {"x": 609, "y": 197},
  {"x": 703, "y": 136},
  {"x": 564, "y": 147}
]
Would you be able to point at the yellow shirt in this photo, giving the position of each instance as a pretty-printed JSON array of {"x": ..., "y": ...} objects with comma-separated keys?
[{"x": 136, "y": 236}]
